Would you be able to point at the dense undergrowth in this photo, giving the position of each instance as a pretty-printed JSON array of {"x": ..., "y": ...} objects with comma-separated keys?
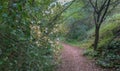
[{"x": 27, "y": 43}]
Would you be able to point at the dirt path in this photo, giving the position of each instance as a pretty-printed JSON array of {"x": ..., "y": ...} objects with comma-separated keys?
[{"x": 73, "y": 60}]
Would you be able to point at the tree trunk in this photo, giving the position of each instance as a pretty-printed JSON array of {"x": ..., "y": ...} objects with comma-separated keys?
[{"x": 96, "y": 37}]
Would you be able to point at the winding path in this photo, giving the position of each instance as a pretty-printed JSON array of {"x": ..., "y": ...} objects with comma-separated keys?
[{"x": 73, "y": 60}]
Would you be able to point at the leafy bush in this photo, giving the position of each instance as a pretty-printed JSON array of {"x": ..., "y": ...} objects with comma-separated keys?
[
  {"x": 111, "y": 55},
  {"x": 26, "y": 40},
  {"x": 90, "y": 53}
]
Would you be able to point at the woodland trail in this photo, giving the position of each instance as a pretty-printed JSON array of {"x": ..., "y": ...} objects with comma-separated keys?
[{"x": 73, "y": 60}]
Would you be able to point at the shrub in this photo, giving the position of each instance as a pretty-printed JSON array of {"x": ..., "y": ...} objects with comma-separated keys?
[
  {"x": 111, "y": 55},
  {"x": 24, "y": 42}
]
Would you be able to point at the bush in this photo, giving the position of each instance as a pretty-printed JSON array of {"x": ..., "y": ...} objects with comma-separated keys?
[
  {"x": 90, "y": 53},
  {"x": 24, "y": 42},
  {"x": 111, "y": 55}
]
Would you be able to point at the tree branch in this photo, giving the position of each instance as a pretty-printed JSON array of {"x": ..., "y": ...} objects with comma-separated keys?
[
  {"x": 106, "y": 10},
  {"x": 93, "y": 6},
  {"x": 56, "y": 17}
]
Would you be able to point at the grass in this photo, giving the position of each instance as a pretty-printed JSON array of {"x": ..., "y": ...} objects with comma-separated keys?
[
  {"x": 81, "y": 44},
  {"x": 73, "y": 43}
]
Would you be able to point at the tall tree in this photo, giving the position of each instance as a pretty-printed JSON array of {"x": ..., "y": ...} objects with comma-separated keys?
[{"x": 101, "y": 8}]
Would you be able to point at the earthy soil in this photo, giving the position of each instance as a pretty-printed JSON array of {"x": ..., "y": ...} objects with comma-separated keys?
[{"x": 73, "y": 60}]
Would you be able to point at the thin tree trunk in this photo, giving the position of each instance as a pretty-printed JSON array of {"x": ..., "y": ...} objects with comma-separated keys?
[{"x": 96, "y": 37}]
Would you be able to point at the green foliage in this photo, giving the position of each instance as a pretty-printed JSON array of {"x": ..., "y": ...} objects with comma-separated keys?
[
  {"x": 111, "y": 56},
  {"x": 26, "y": 39},
  {"x": 76, "y": 20},
  {"x": 107, "y": 54},
  {"x": 76, "y": 32},
  {"x": 90, "y": 53},
  {"x": 109, "y": 30}
]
